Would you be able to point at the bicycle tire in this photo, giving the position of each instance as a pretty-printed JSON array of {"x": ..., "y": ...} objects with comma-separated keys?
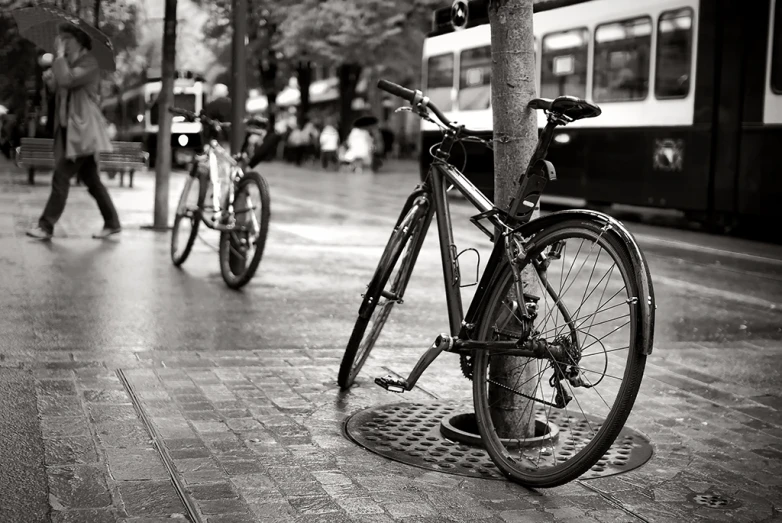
[
  {"x": 195, "y": 219},
  {"x": 581, "y": 443},
  {"x": 404, "y": 244},
  {"x": 235, "y": 269}
]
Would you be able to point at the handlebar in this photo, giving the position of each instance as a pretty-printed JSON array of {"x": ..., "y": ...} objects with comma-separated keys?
[
  {"x": 190, "y": 115},
  {"x": 417, "y": 98}
]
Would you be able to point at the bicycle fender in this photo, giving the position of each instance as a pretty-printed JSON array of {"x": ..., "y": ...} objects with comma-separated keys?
[{"x": 645, "y": 304}]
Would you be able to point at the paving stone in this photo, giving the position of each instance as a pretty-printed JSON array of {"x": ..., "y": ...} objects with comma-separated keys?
[
  {"x": 230, "y": 518},
  {"x": 136, "y": 464},
  {"x": 106, "y": 396},
  {"x": 104, "y": 413},
  {"x": 221, "y": 490},
  {"x": 313, "y": 504},
  {"x": 123, "y": 434},
  {"x": 408, "y": 509},
  {"x": 82, "y": 516},
  {"x": 359, "y": 506},
  {"x": 64, "y": 426},
  {"x": 223, "y": 506},
  {"x": 78, "y": 487},
  {"x": 150, "y": 498},
  {"x": 52, "y": 405},
  {"x": 56, "y": 387},
  {"x": 70, "y": 451},
  {"x": 240, "y": 467}
]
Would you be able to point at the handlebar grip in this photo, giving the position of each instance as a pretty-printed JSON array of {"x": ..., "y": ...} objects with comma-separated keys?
[{"x": 396, "y": 90}]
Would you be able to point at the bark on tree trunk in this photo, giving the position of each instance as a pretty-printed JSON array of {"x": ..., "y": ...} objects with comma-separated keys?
[
  {"x": 515, "y": 136},
  {"x": 348, "y": 80},
  {"x": 304, "y": 76},
  {"x": 163, "y": 165}
]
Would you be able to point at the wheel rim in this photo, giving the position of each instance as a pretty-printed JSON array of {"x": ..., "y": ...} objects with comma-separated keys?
[
  {"x": 395, "y": 285},
  {"x": 376, "y": 323},
  {"x": 595, "y": 291},
  {"x": 186, "y": 219}
]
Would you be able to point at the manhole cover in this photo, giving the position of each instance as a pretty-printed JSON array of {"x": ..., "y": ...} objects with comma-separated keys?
[
  {"x": 411, "y": 433},
  {"x": 713, "y": 500}
]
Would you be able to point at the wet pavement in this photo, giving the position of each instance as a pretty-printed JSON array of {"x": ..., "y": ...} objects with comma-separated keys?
[{"x": 238, "y": 389}]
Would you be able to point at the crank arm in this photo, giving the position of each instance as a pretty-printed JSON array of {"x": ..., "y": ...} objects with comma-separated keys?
[{"x": 442, "y": 343}]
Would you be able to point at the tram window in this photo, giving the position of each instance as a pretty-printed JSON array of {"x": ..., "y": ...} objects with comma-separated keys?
[
  {"x": 621, "y": 69},
  {"x": 564, "y": 64},
  {"x": 674, "y": 54},
  {"x": 776, "y": 51},
  {"x": 474, "y": 79},
  {"x": 439, "y": 80}
]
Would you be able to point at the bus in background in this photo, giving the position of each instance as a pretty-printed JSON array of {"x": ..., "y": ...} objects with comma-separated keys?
[
  {"x": 691, "y": 94},
  {"x": 134, "y": 112}
]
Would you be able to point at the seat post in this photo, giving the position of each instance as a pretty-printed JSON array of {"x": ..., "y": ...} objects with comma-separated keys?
[{"x": 533, "y": 180}]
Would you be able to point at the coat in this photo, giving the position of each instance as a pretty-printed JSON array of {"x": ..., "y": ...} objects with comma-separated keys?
[{"x": 78, "y": 85}]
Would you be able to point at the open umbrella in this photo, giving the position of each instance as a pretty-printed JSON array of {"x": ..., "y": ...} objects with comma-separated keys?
[{"x": 39, "y": 24}]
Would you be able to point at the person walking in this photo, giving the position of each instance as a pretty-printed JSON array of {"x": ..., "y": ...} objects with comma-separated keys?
[
  {"x": 80, "y": 132},
  {"x": 329, "y": 143}
]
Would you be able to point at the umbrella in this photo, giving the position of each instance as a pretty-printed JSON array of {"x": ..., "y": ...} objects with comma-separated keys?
[
  {"x": 40, "y": 24},
  {"x": 365, "y": 121}
]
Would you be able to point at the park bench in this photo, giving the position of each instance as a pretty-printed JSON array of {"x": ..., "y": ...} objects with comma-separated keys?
[{"x": 127, "y": 157}]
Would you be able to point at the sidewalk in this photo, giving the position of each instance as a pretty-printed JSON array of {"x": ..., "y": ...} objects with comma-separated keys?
[{"x": 240, "y": 388}]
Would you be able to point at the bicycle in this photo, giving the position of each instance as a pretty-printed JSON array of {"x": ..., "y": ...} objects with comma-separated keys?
[
  {"x": 524, "y": 335},
  {"x": 239, "y": 211}
]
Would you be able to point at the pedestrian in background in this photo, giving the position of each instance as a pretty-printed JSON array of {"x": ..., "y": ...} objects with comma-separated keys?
[
  {"x": 329, "y": 143},
  {"x": 80, "y": 131}
]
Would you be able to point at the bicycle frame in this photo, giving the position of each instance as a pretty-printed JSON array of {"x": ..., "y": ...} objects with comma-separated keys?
[
  {"x": 215, "y": 153},
  {"x": 505, "y": 223}
]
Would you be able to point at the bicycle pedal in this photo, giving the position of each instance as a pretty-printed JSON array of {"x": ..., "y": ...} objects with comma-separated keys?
[{"x": 392, "y": 384}]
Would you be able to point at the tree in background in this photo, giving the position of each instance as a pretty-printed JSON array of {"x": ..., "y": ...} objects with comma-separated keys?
[
  {"x": 267, "y": 67},
  {"x": 385, "y": 38}
]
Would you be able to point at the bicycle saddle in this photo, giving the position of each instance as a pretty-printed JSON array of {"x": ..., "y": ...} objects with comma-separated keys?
[{"x": 569, "y": 106}]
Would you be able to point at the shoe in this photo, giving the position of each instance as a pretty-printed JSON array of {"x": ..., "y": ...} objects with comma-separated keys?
[
  {"x": 39, "y": 234},
  {"x": 106, "y": 232}
]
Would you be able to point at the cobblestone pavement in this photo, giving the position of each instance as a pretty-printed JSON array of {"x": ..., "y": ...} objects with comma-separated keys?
[{"x": 240, "y": 386}]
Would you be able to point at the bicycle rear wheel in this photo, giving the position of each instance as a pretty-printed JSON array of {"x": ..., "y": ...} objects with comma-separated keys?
[
  {"x": 187, "y": 218},
  {"x": 386, "y": 288},
  {"x": 585, "y": 292},
  {"x": 241, "y": 248}
]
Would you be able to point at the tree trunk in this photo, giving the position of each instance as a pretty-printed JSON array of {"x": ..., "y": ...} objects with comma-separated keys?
[
  {"x": 238, "y": 74},
  {"x": 163, "y": 165},
  {"x": 304, "y": 76},
  {"x": 268, "y": 66},
  {"x": 348, "y": 80},
  {"x": 515, "y": 136},
  {"x": 373, "y": 94}
]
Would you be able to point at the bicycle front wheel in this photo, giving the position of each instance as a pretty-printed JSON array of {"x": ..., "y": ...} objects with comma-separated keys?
[
  {"x": 187, "y": 218},
  {"x": 242, "y": 247},
  {"x": 545, "y": 421},
  {"x": 386, "y": 288}
]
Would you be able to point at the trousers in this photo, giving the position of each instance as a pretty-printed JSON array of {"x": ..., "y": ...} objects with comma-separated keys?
[{"x": 87, "y": 168}]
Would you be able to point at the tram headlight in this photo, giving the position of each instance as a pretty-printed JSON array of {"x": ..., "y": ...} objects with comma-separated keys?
[{"x": 182, "y": 140}]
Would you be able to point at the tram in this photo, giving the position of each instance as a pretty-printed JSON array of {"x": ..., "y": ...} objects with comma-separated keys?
[
  {"x": 134, "y": 112},
  {"x": 691, "y": 94}
]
